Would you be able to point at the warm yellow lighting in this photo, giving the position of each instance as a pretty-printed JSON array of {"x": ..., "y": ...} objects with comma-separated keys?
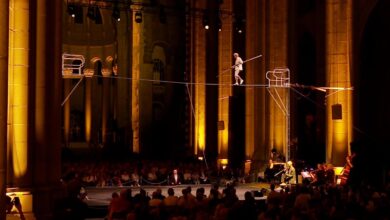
[
  {"x": 88, "y": 108},
  {"x": 338, "y": 61},
  {"x": 338, "y": 170},
  {"x": 137, "y": 54},
  {"x": 247, "y": 166},
  {"x": 201, "y": 135},
  {"x": 94, "y": 60},
  {"x": 25, "y": 197},
  {"x": 200, "y": 158},
  {"x": 224, "y": 161},
  {"x": 18, "y": 85}
]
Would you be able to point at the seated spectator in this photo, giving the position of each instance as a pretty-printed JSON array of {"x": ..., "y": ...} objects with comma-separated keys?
[
  {"x": 125, "y": 178},
  {"x": 155, "y": 206},
  {"x": 119, "y": 205},
  {"x": 135, "y": 178}
]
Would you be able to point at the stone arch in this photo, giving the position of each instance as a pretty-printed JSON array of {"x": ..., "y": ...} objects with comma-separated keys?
[{"x": 97, "y": 65}]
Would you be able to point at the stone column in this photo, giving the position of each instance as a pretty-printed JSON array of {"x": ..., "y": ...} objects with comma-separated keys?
[
  {"x": 105, "y": 103},
  {"x": 276, "y": 56},
  {"x": 88, "y": 73},
  {"x": 18, "y": 85},
  {"x": 47, "y": 112},
  {"x": 3, "y": 104},
  {"x": 67, "y": 83},
  {"x": 338, "y": 62},
  {"x": 225, "y": 53},
  {"x": 255, "y": 107},
  {"x": 200, "y": 77},
  {"x": 137, "y": 54}
]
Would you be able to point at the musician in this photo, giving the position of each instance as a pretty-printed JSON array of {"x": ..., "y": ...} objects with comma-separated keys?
[
  {"x": 289, "y": 176},
  {"x": 276, "y": 157},
  {"x": 319, "y": 175},
  {"x": 269, "y": 171},
  {"x": 348, "y": 166},
  {"x": 329, "y": 173}
]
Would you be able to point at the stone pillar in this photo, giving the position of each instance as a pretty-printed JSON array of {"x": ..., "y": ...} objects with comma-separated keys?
[
  {"x": 18, "y": 85},
  {"x": 277, "y": 56},
  {"x": 3, "y": 104},
  {"x": 47, "y": 112},
  {"x": 225, "y": 54},
  {"x": 338, "y": 62},
  {"x": 137, "y": 54},
  {"x": 255, "y": 107},
  {"x": 67, "y": 83},
  {"x": 200, "y": 77},
  {"x": 105, "y": 103},
  {"x": 88, "y": 73}
]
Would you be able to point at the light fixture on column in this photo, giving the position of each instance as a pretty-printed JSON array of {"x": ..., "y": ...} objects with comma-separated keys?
[
  {"x": 219, "y": 21},
  {"x": 72, "y": 10},
  {"x": 239, "y": 23},
  {"x": 138, "y": 17},
  {"x": 206, "y": 20},
  {"x": 76, "y": 12}
]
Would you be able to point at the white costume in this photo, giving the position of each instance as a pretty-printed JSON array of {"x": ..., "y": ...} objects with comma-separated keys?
[{"x": 237, "y": 69}]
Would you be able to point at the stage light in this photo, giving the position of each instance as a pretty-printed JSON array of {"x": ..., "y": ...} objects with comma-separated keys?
[
  {"x": 75, "y": 12},
  {"x": 239, "y": 25},
  {"x": 72, "y": 10},
  {"x": 219, "y": 24},
  {"x": 116, "y": 14},
  {"x": 205, "y": 20},
  {"x": 138, "y": 17}
]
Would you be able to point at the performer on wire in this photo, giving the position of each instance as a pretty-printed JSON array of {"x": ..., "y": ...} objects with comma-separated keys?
[{"x": 237, "y": 69}]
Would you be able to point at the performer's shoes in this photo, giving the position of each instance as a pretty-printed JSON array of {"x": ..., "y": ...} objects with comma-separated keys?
[
  {"x": 241, "y": 82},
  {"x": 236, "y": 84}
]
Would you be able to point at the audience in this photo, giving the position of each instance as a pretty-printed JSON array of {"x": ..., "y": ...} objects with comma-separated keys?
[{"x": 320, "y": 200}]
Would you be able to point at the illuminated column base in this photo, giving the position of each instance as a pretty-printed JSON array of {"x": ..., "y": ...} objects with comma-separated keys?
[
  {"x": 26, "y": 200},
  {"x": 223, "y": 163}
]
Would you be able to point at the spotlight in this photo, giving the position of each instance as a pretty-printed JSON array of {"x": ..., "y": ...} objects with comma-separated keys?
[
  {"x": 75, "y": 12},
  {"x": 138, "y": 17},
  {"x": 239, "y": 25},
  {"x": 116, "y": 14},
  {"x": 72, "y": 10},
  {"x": 205, "y": 20},
  {"x": 219, "y": 24}
]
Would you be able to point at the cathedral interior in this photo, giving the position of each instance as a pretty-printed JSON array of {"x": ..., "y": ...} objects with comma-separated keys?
[{"x": 154, "y": 79}]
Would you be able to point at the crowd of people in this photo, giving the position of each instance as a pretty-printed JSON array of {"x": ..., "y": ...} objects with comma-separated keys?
[
  {"x": 300, "y": 201},
  {"x": 317, "y": 196},
  {"x": 144, "y": 172}
]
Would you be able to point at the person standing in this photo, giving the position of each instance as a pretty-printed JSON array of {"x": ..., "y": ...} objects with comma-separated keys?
[{"x": 237, "y": 69}]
